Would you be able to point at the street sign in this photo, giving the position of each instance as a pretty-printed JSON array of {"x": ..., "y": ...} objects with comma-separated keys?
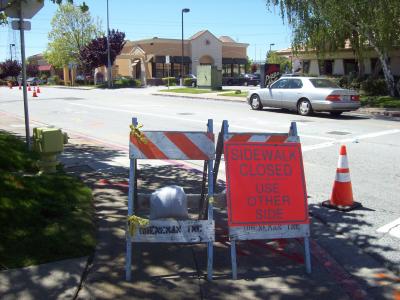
[
  {"x": 28, "y": 8},
  {"x": 167, "y": 60},
  {"x": 16, "y": 25},
  {"x": 266, "y": 184}
]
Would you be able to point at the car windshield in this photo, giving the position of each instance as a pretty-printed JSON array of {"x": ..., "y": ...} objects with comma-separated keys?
[{"x": 323, "y": 83}]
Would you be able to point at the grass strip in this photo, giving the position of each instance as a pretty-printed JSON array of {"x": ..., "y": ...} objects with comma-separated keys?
[
  {"x": 188, "y": 91},
  {"x": 380, "y": 101},
  {"x": 234, "y": 94}
]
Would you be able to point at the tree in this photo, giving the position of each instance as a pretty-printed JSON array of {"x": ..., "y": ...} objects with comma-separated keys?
[
  {"x": 71, "y": 29},
  {"x": 32, "y": 70},
  {"x": 94, "y": 54},
  {"x": 274, "y": 58},
  {"x": 326, "y": 25},
  {"x": 10, "y": 68}
]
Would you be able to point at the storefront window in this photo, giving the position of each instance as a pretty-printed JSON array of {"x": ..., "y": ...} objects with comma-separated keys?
[
  {"x": 159, "y": 70},
  {"x": 350, "y": 66}
]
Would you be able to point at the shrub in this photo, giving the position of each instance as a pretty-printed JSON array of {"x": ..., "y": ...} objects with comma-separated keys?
[
  {"x": 374, "y": 87},
  {"x": 170, "y": 80},
  {"x": 127, "y": 82},
  {"x": 187, "y": 81},
  {"x": 53, "y": 79}
]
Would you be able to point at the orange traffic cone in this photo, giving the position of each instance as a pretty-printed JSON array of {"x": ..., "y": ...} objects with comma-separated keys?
[
  {"x": 342, "y": 192},
  {"x": 19, "y": 86},
  {"x": 34, "y": 92},
  {"x": 29, "y": 87},
  {"x": 38, "y": 90}
]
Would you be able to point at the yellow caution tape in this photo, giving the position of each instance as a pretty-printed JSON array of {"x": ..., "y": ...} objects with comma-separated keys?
[
  {"x": 135, "y": 131},
  {"x": 134, "y": 222}
]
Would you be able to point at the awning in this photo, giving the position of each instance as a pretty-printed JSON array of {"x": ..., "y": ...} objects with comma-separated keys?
[
  {"x": 173, "y": 59},
  {"x": 44, "y": 68},
  {"x": 229, "y": 61}
]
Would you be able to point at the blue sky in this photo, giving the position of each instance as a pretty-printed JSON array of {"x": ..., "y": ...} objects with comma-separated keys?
[{"x": 246, "y": 21}]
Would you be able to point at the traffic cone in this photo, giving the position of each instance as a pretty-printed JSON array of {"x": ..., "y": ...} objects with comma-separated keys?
[
  {"x": 342, "y": 192},
  {"x": 19, "y": 86},
  {"x": 34, "y": 92},
  {"x": 29, "y": 87},
  {"x": 38, "y": 90}
]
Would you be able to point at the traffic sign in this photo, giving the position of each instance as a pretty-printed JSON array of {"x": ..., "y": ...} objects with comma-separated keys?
[
  {"x": 167, "y": 59},
  {"x": 266, "y": 184},
  {"x": 17, "y": 25},
  {"x": 28, "y": 8}
]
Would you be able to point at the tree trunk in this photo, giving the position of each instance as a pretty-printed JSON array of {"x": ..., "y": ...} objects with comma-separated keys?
[{"x": 384, "y": 59}]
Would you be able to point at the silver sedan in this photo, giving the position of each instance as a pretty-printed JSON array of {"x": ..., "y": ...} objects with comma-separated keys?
[{"x": 305, "y": 95}]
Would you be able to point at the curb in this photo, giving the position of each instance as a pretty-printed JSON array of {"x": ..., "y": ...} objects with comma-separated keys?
[{"x": 383, "y": 113}]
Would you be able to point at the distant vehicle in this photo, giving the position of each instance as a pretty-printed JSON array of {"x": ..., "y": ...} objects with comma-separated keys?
[
  {"x": 250, "y": 79},
  {"x": 305, "y": 95},
  {"x": 34, "y": 81},
  {"x": 193, "y": 79}
]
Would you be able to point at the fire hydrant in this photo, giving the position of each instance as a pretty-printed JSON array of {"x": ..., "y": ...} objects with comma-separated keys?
[{"x": 48, "y": 142}]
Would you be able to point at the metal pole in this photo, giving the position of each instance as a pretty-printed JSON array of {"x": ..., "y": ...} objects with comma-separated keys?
[
  {"x": 181, "y": 78},
  {"x": 25, "y": 93},
  {"x": 11, "y": 51},
  {"x": 109, "y": 73}
]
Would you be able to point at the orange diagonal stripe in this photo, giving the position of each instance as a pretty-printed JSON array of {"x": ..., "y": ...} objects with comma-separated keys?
[
  {"x": 148, "y": 149},
  {"x": 239, "y": 138},
  {"x": 186, "y": 145},
  {"x": 277, "y": 139}
]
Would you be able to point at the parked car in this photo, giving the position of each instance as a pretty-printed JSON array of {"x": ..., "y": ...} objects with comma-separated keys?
[
  {"x": 250, "y": 79},
  {"x": 305, "y": 95},
  {"x": 34, "y": 81}
]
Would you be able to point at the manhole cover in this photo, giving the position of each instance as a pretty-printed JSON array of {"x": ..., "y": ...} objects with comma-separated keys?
[
  {"x": 338, "y": 132},
  {"x": 185, "y": 114}
]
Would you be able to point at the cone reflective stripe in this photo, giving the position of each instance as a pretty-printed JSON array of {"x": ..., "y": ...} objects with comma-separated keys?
[{"x": 342, "y": 191}]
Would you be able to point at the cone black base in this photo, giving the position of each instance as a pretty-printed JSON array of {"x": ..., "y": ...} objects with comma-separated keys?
[{"x": 328, "y": 204}]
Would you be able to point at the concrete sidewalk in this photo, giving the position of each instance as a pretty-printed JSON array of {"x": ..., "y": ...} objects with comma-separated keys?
[{"x": 266, "y": 269}]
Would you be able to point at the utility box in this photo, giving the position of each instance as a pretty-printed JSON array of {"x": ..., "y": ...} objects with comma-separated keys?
[
  {"x": 48, "y": 142},
  {"x": 209, "y": 77}
]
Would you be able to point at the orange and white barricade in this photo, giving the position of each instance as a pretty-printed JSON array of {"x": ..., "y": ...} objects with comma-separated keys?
[
  {"x": 265, "y": 187},
  {"x": 169, "y": 145}
]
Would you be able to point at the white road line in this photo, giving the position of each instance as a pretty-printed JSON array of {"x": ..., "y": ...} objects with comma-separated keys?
[
  {"x": 350, "y": 140},
  {"x": 393, "y": 228}
]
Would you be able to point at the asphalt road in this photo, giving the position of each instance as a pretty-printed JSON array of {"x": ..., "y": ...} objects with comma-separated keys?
[{"x": 373, "y": 146}]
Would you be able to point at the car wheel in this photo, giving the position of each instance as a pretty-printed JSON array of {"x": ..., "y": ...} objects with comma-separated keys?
[
  {"x": 304, "y": 107},
  {"x": 193, "y": 84},
  {"x": 336, "y": 113},
  {"x": 255, "y": 102}
]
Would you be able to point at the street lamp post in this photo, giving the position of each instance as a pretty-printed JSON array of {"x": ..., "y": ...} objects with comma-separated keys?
[
  {"x": 184, "y": 10},
  {"x": 11, "y": 45},
  {"x": 109, "y": 74},
  {"x": 270, "y": 45}
]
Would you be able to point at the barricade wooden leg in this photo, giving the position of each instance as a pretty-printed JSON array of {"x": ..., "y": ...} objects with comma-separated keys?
[
  {"x": 128, "y": 262},
  {"x": 307, "y": 254},
  {"x": 233, "y": 259},
  {"x": 210, "y": 257}
]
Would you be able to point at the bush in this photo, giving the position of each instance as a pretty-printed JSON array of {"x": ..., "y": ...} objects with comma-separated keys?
[
  {"x": 187, "y": 81},
  {"x": 374, "y": 87},
  {"x": 127, "y": 82},
  {"x": 171, "y": 80},
  {"x": 53, "y": 80}
]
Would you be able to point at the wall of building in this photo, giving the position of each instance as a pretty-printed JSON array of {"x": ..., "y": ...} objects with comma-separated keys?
[
  {"x": 124, "y": 68},
  {"x": 206, "y": 44},
  {"x": 230, "y": 51}
]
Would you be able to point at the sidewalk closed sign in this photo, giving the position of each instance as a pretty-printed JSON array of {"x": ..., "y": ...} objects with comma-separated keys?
[{"x": 266, "y": 184}]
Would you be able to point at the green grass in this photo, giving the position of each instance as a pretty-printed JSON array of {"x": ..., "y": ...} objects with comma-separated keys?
[
  {"x": 188, "y": 91},
  {"x": 380, "y": 101},
  {"x": 42, "y": 218},
  {"x": 234, "y": 94}
]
